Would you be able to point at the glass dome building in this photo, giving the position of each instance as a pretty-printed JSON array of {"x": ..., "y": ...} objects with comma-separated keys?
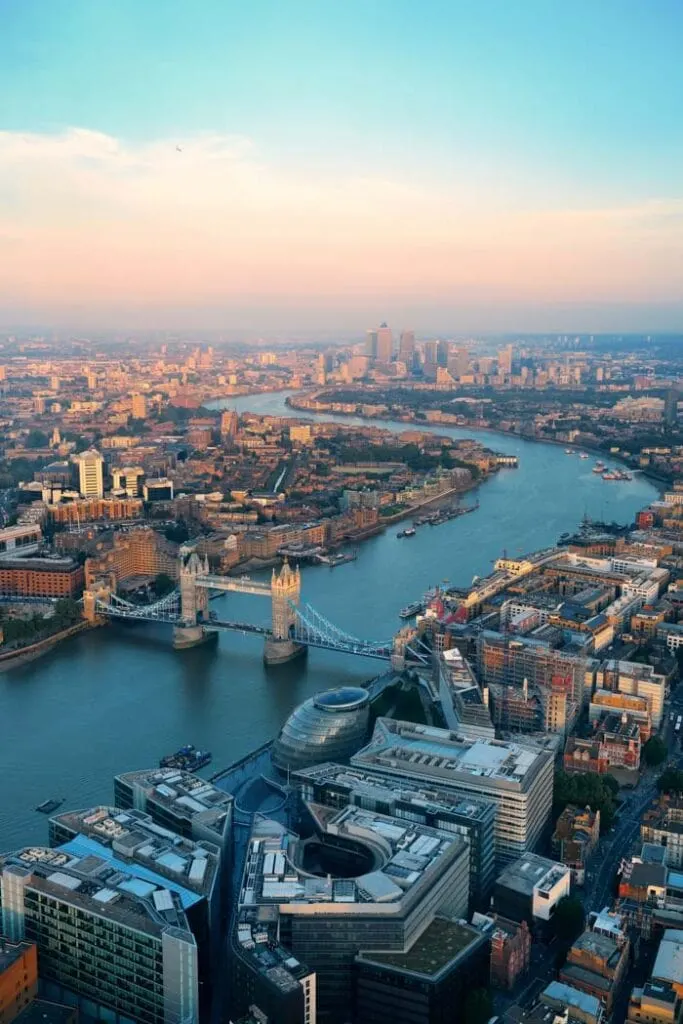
[{"x": 331, "y": 726}]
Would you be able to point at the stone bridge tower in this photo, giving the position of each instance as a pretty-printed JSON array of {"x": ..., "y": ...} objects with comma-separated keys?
[
  {"x": 285, "y": 591},
  {"x": 194, "y": 601}
]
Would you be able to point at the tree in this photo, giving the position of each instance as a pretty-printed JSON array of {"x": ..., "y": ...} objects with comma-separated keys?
[
  {"x": 596, "y": 791},
  {"x": 568, "y": 918},
  {"x": 478, "y": 1006},
  {"x": 163, "y": 584},
  {"x": 37, "y": 439},
  {"x": 655, "y": 751},
  {"x": 670, "y": 781},
  {"x": 177, "y": 532}
]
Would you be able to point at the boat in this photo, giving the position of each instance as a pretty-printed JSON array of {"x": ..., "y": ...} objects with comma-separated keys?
[
  {"x": 188, "y": 758},
  {"x": 607, "y": 475},
  {"x": 599, "y": 467},
  {"x": 583, "y": 455},
  {"x": 569, "y": 451},
  {"x": 411, "y": 609},
  {"x": 48, "y": 806},
  {"x": 410, "y": 531}
]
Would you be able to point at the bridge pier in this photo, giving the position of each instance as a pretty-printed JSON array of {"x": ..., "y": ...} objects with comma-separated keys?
[
  {"x": 191, "y": 636},
  {"x": 277, "y": 652}
]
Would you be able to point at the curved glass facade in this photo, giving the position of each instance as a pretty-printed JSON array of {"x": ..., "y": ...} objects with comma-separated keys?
[{"x": 328, "y": 727}]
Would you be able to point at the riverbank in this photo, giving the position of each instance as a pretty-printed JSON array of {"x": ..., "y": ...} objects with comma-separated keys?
[
  {"x": 22, "y": 655},
  {"x": 659, "y": 481}
]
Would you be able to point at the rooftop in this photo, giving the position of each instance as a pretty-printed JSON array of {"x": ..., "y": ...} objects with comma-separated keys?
[
  {"x": 134, "y": 837},
  {"x": 41, "y": 1012},
  {"x": 436, "y": 948},
  {"x": 10, "y": 952},
  {"x": 558, "y": 992},
  {"x": 185, "y": 795},
  {"x": 669, "y": 963},
  {"x": 531, "y": 872},
  {"x": 79, "y": 875},
  {"x": 440, "y": 753}
]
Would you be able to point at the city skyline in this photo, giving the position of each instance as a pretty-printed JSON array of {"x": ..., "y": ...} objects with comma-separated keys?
[{"x": 281, "y": 169}]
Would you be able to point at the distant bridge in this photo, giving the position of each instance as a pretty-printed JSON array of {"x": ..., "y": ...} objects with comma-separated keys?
[{"x": 294, "y": 628}]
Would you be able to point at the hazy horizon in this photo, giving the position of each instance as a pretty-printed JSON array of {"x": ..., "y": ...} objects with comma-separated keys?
[{"x": 453, "y": 168}]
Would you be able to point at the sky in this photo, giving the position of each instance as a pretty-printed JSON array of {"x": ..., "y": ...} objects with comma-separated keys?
[{"x": 282, "y": 165}]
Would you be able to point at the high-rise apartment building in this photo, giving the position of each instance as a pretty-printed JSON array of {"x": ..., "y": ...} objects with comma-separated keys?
[
  {"x": 671, "y": 406},
  {"x": 505, "y": 360},
  {"x": 117, "y": 944},
  {"x": 229, "y": 423},
  {"x": 90, "y": 474},
  {"x": 138, "y": 406},
  {"x": 519, "y": 779}
]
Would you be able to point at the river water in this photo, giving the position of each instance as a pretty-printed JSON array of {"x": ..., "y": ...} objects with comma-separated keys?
[{"x": 118, "y": 698}]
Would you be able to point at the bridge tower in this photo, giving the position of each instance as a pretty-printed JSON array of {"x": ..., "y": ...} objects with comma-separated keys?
[
  {"x": 194, "y": 601},
  {"x": 285, "y": 591}
]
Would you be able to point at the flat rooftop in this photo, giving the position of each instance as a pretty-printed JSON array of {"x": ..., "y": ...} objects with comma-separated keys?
[
  {"x": 79, "y": 875},
  {"x": 132, "y": 836},
  {"x": 41, "y": 1012},
  {"x": 185, "y": 794},
  {"x": 10, "y": 952},
  {"x": 669, "y": 963},
  {"x": 361, "y": 781},
  {"x": 436, "y": 948},
  {"x": 530, "y": 872},
  {"x": 557, "y": 992},
  {"x": 422, "y": 750}
]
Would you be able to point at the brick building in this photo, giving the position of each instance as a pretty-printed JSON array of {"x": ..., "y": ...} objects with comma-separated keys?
[
  {"x": 575, "y": 838},
  {"x": 140, "y": 552},
  {"x": 18, "y": 978},
  {"x": 41, "y": 577}
]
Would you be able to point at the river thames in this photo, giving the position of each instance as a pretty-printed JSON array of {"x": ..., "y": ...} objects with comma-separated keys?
[{"x": 118, "y": 698}]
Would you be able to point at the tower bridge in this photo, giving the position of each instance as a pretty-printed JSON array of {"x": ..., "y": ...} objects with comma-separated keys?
[{"x": 293, "y": 629}]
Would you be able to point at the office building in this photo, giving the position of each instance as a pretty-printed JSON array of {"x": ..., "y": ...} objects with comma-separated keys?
[
  {"x": 118, "y": 945},
  {"x": 505, "y": 360},
  {"x": 671, "y": 406},
  {"x": 518, "y": 778},
  {"x": 229, "y": 423},
  {"x": 181, "y": 802},
  {"x": 406, "y": 348},
  {"x": 90, "y": 474},
  {"x": 330, "y": 726},
  {"x": 361, "y": 882},
  {"x": 128, "y": 479},
  {"x": 371, "y": 345},
  {"x": 335, "y": 785},
  {"x": 385, "y": 344},
  {"x": 18, "y": 977},
  {"x": 158, "y": 489},
  {"x": 663, "y": 824},
  {"x": 18, "y": 541},
  {"x": 668, "y": 966},
  {"x": 425, "y": 984},
  {"x": 530, "y": 888}
]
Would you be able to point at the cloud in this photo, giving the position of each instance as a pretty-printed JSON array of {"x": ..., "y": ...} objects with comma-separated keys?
[{"x": 92, "y": 221}]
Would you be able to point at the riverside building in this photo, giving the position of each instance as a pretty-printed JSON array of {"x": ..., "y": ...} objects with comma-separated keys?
[
  {"x": 360, "y": 882},
  {"x": 121, "y": 948},
  {"x": 181, "y": 802},
  {"x": 132, "y": 842},
  {"x": 335, "y": 785},
  {"x": 517, "y": 778}
]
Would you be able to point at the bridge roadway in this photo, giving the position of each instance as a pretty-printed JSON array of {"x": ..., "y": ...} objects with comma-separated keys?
[{"x": 234, "y": 584}]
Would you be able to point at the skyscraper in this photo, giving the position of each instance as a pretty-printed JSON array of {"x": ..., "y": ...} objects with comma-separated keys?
[
  {"x": 505, "y": 360},
  {"x": 385, "y": 344},
  {"x": 90, "y": 474},
  {"x": 406, "y": 349},
  {"x": 671, "y": 406},
  {"x": 371, "y": 345},
  {"x": 139, "y": 407}
]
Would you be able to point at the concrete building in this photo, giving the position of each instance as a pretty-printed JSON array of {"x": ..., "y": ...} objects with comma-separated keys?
[
  {"x": 121, "y": 948},
  {"x": 130, "y": 840},
  {"x": 90, "y": 474},
  {"x": 424, "y": 984},
  {"x": 518, "y": 778},
  {"x": 472, "y": 819},
  {"x": 180, "y": 801},
  {"x": 361, "y": 882},
  {"x": 631, "y": 677},
  {"x": 530, "y": 888},
  {"x": 128, "y": 479},
  {"x": 18, "y": 541}
]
